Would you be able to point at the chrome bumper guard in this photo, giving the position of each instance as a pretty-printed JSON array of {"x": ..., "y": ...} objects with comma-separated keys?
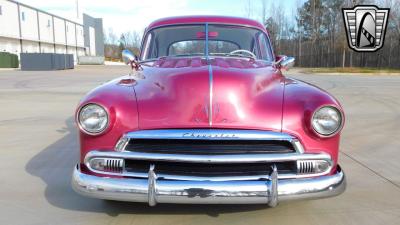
[{"x": 153, "y": 190}]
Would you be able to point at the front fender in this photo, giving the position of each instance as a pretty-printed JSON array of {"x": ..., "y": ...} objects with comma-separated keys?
[
  {"x": 118, "y": 98},
  {"x": 300, "y": 102}
]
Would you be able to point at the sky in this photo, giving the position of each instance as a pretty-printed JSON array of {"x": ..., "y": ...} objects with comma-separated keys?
[{"x": 135, "y": 15}]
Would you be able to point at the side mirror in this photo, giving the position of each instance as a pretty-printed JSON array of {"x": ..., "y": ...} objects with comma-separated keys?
[
  {"x": 284, "y": 62},
  {"x": 128, "y": 57}
]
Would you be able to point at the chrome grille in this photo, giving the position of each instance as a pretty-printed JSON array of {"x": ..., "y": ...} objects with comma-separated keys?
[
  {"x": 209, "y": 154},
  {"x": 209, "y": 147},
  {"x": 209, "y": 142}
]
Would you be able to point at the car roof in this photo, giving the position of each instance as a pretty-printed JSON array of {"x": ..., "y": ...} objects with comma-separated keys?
[{"x": 206, "y": 19}]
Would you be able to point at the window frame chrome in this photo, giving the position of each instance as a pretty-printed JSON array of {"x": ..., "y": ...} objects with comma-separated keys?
[{"x": 148, "y": 31}]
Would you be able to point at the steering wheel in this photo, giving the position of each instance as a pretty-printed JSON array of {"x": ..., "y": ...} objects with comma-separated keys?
[{"x": 239, "y": 51}]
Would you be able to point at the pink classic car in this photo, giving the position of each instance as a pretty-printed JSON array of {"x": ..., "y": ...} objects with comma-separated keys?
[{"x": 206, "y": 117}]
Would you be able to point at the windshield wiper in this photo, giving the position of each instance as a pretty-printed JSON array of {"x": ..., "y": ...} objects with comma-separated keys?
[
  {"x": 185, "y": 55},
  {"x": 235, "y": 55}
]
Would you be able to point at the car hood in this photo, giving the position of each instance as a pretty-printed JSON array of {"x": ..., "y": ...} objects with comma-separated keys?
[{"x": 226, "y": 93}]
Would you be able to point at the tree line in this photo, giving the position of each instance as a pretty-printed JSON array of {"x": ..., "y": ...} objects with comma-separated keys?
[
  {"x": 313, "y": 32},
  {"x": 113, "y": 44},
  {"x": 317, "y": 37}
]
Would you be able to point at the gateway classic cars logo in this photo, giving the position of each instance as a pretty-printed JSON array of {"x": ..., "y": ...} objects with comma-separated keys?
[{"x": 365, "y": 27}]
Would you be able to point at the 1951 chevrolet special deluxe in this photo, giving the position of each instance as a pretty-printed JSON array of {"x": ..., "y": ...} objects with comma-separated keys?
[{"x": 206, "y": 117}]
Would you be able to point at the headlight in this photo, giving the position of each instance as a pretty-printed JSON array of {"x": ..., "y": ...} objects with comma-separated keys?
[
  {"x": 327, "y": 120},
  {"x": 93, "y": 119}
]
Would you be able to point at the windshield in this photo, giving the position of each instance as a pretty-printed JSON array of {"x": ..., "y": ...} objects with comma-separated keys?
[{"x": 191, "y": 40}]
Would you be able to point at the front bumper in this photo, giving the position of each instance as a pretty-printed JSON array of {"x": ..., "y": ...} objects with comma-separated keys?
[{"x": 157, "y": 190}]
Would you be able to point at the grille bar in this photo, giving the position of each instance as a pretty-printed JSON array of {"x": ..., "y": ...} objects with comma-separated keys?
[
  {"x": 218, "y": 167},
  {"x": 208, "y": 159}
]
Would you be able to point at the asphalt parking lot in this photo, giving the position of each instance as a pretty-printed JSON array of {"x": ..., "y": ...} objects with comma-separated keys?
[{"x": 39, "y": 147}]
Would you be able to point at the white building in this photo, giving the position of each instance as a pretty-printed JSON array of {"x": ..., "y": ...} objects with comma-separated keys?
[{"x": 30, "y": 30}]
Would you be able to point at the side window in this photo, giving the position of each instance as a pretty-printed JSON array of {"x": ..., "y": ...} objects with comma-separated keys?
[
  {"x": 265, "y": 50},
  {"x": 146, "y": 47},
  {"x": 154, "y": 48},
  {"x": 1, "y": 10},
  {"x": 23, "y": 16},
  {"x": 255, "y": 47}
]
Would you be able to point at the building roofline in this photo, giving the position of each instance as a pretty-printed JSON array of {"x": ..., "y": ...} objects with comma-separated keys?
[{"x": 42, "y": 11}]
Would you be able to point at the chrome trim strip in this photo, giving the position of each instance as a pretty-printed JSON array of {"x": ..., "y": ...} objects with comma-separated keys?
[
  {"x": 152, "y": 188},
  {"x": 273, "y": 191},
  {"x": 210, "y": 79},
  {"x": 211, "y": 85},
  {"x": 210, "y": 134},
  {"x": 213, "y": 178},
  {"x": 206, "y": 192},
  {"x": 209, "y": 159},
  {"x": 122, "y": 143},
  {"x": 254, "y": 158},
  {"x": 297, "y": 146}
]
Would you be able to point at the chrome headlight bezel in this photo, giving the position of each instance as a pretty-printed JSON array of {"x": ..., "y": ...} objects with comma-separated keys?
[
  {"x": 333, "y": 132},
  {"x": 92, "y": 132}
]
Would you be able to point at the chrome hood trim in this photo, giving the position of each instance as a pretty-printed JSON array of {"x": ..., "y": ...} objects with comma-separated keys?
[
  {"x": 209, "y": 134},
  {"x": 210, "y": 105},
  {"x": 216, "y": 134}
]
